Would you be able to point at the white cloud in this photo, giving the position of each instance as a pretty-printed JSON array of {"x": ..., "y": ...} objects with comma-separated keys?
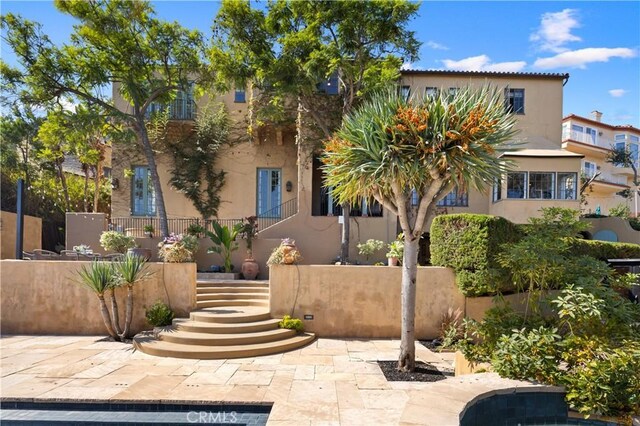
[
  {"x": 617, "y": 93},
  {"x": 580, "y": 58},
  {"x": 437, "y": 46},
  {"x": 555, "y": 30},
  {"x": 483, "y": 63}
]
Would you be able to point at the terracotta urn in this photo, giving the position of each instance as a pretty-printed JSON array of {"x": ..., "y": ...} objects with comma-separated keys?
[{"x": 250, "y": 269}]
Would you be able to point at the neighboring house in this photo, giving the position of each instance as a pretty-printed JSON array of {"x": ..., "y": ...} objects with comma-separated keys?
[
  {"x": 595, "y": 139},
  {"x": 72, "y": 164},
  {"x": 276, "y": 173}
]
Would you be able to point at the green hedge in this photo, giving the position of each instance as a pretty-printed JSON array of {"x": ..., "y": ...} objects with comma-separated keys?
[
  {"x": 469, "y": 243},
  {"x": 604, "y": 250}
]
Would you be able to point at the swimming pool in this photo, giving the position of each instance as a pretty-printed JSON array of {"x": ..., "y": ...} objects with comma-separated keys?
[{"x": 67, "y": 412}]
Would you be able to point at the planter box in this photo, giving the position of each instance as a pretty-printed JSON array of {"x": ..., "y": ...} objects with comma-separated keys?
[{"x": 218, "y": 276}]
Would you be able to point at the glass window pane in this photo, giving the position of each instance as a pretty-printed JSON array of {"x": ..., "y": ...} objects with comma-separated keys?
[
  {"x": 516, "y": 184},
  {"x": 567, "y": 185},
  {"x": 541, "y": 185}
]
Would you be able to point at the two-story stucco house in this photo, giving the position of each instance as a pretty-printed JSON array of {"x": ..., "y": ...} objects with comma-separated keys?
[{"x": 275, "y": 174}]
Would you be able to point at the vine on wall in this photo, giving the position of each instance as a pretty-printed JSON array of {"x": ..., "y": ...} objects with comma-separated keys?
[{"x": 194, "y": 157}]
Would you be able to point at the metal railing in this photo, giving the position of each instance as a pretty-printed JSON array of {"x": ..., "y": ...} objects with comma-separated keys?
[
  {"x": 277, "y": 214},
  {"x": 135, "y": 225},
  {"x": 587, "y": 139},
  {"x": 363, "y": 209}
]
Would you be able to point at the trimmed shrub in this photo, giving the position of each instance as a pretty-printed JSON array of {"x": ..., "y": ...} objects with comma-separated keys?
[
  {"x": 159, "y": 314},
  {"x": 469, "y": 244},
  {"x": 604, "y": 250}
]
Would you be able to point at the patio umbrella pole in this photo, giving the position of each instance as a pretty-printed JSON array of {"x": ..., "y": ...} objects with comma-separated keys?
[{"x": 19, "y": 218}]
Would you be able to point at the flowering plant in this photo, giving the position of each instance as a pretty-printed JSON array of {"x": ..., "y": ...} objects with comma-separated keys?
[
  {"x": 178, "y": 248},
  {"x": 285, "y": 254}
]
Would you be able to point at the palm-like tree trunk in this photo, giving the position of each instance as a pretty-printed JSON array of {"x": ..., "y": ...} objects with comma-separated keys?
[
  {"x": 344, "y": 245},
  {"x": 63, "y": 182},
  {"x": 128, "y": 313},
  {"x": 105, "y": 317},
  {"x": 143, "y": 136},
  {"x": 406, "y": 361},
  {"x": 115, "y": 316}
]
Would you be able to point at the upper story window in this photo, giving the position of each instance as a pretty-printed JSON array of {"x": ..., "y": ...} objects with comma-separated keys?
[
  {"x": 634, "y": 138},
  {"x": 621, "y": 137},
  {"x": 514, "y": 99},
  {"x": 539, "y": 186},
  {"x": 431, "y": 92},
  {"x": 143, "y": 197},
  {"x": 330, "y": 86},
  {"x": 239, "y": 96},
  {"x": 405, "y": 91},
  {"x": 454, "y": 199},
  {"x": 183, "y": 107},
  {"x": 589, "y": 169}
]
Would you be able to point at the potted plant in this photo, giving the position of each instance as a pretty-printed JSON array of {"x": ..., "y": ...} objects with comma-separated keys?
[
  {"x": 225, "y": 242},
  {"x": 396, "y": 251},
  {"x": 285, "y": 254},
  {"x": 369, "y": 247},
  {"x": 250, "y": 267},
  {"x": 178, "y": 248},
  {"x": 148, "y": 230},
  {"x": 195, "y": 229},
  {"x": 113, "y": 241}
]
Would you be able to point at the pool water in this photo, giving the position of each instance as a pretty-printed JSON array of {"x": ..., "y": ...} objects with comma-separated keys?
[{"x": 129, "y": 413}]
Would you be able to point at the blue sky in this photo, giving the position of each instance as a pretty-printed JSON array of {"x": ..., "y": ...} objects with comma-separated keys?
[{"x": 597, "y": 43}]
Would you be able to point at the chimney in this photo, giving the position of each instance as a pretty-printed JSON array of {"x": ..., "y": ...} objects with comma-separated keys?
[{"x": 596, "y": 115}]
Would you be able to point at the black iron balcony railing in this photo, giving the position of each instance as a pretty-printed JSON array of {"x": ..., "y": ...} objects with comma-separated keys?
[
  {"x": 135, "y": 225},
  {"x": 277, "y": 214}
]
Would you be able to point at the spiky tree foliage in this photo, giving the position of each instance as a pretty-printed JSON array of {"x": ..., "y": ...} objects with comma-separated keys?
[
  {"x": 100, "y": 277},
  {"x": 408, "y": 154}
]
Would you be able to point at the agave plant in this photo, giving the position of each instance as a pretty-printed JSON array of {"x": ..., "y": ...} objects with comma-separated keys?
[
  {"x": 130, "y": 270},
  {"x": 408, "y": 154},
  {"x": 100, "y": 277}
]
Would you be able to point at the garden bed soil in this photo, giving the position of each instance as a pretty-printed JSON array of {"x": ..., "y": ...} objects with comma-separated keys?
[{"x": 423, "y": 373}]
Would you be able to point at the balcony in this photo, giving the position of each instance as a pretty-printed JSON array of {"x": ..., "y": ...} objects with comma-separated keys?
[
  {"x": 583, "y": 143},
  {"x": 608, "y": 182}
]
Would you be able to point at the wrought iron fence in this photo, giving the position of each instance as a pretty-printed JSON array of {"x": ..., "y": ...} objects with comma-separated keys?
[{"x": 136, "y": 225}]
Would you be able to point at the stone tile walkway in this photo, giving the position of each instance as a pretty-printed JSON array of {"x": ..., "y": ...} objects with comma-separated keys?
[{"x": 332, "y": 381}]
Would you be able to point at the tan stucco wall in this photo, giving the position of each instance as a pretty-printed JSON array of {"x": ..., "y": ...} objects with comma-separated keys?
[
  {"x": 32, "y": 238},
  {"x": 543, "y": 100},
  {"x": 85, "y": 228},
  {"x": 360, "y": 301},
  {"x": 624, "y": 231},
  {"x": 42, "y": 297}
]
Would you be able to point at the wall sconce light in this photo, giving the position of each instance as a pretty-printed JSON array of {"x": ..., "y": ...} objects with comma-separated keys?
[
  {"x": 115, "y": 183},
  {"x": 289, "y": 186}
]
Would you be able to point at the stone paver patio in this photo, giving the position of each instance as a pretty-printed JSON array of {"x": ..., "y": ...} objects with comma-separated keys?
[{"x": 332, "y": 381}]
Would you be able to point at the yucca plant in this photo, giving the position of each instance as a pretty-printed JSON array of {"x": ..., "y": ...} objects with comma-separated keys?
[
  {"x": 100, "y": 277},
  {"x": 408, "y": 153},
  {"x": 130, "y": 270}
]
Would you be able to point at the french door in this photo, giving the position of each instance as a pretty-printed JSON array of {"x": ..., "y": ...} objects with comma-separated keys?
[{"x": 269, "y": 192}]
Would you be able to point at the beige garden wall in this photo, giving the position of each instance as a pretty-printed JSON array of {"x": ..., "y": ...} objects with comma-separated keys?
[
  {"x": 41, "y": 297},
  {"x": 32, "y": 238},
  {"x": 360, "y": 301}
]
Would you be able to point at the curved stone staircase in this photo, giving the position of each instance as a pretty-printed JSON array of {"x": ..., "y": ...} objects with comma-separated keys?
[{"x": 232, "y": 321}]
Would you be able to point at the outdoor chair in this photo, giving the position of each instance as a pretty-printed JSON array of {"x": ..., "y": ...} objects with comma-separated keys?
[
  {"x": 113, "y": 257},
  {"x": 41, "y": 254},
  {"x": 27, "y": 256},
  {"x": 69, "y": 255}
]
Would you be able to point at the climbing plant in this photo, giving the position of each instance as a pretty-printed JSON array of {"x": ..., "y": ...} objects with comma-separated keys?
[{"x": 194, "y": 157}]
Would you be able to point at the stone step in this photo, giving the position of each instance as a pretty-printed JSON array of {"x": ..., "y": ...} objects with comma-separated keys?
[
  {"x": 231, "y": 302},
  {"x": 185, "y": 324},
  {"x": 213, "y": 289},
  {"x": 232, "y": 283},
  {"x": 231, "y": 314},
  {"x": 146, "y": 343},
  {"x": 229, "y": 339},
  {"x": 232, "y": 296}
]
